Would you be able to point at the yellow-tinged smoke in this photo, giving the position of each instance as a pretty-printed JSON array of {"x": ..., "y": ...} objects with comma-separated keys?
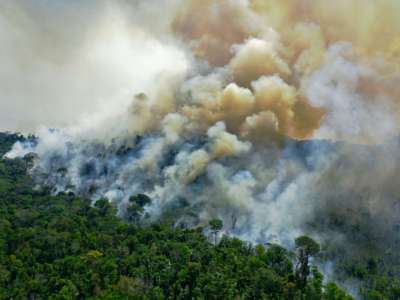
[
  {"x": 213, "y": 26},
  {"x": 273, "y": 47},
  {"x": 274, "y": 68},
  {"x": 209, "y": 130}
]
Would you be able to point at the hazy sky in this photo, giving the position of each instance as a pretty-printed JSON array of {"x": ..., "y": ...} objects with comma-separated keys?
[{"x": 62, "y": 60}]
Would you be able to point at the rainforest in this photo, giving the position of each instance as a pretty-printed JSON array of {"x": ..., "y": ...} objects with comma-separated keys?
[{"x": 199, "y": 149}]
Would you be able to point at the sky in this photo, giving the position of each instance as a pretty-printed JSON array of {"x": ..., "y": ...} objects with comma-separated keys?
[{"x": 64, "y": 61}]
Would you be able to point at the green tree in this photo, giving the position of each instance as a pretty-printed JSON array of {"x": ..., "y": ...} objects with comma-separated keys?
[
  {"x": 216, "y": 225},
  {"x": 104, "y": 206},
  {"x": 135, "y": 209},
  {"x": 62, "y": 247},
  {"x": 306, "y": 248}
]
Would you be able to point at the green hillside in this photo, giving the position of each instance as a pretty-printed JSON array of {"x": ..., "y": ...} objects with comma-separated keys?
[{"x": 61, "y": 247}]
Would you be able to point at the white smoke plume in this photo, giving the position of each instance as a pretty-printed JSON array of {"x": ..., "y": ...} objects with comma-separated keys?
[
  {"x": 65, "y": 61},
  {"x": 279, "y": 117}
]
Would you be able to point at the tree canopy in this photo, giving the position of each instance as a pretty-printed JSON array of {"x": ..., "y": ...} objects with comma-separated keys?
[{"x": 63, "y": 247}]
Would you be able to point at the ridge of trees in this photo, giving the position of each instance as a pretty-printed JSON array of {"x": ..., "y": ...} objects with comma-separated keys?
[{"x": 62, "y": 247}]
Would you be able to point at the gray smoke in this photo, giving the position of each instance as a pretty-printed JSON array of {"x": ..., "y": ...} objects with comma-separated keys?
[
  {"x": 65, "y": 61},
  {"x": 277, "y": 130}
]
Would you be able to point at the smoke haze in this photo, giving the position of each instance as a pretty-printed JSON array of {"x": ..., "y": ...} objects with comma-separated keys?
[
  {"x": 63, "y": 61},
  {"x": 271, "y": 115}
]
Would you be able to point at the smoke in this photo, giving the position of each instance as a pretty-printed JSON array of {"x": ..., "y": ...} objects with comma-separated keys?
[
  {"x": 65, "y": 61},
  {"x": 356, "y": 98},
  {"x": 279, "y": 117}
]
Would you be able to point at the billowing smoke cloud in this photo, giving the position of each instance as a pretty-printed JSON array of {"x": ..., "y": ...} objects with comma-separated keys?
[
  {"x": 280, "y": 117},
  {"x": 63, "y": 61}
]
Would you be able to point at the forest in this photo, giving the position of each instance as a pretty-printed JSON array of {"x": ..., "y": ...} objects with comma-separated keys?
[
  {"x": 62, "y": 247},
  {"x": 200, "y": 149}
]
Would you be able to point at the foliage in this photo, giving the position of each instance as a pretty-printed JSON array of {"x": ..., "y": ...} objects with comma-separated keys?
[
  {"x": 307, "y": 248},
  {"x": 7, "y": 140},
  {"x": 216, "y": 225},
  {"x": 62, "y": 247},
  {"x": 135, "y": 209}
]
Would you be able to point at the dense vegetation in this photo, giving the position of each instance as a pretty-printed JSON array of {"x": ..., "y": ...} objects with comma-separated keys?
[
  {"x": 62, "y": 247},
  {"x": 7, "y": 140}
]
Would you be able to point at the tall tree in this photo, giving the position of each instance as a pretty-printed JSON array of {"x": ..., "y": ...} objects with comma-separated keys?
[
  {"x": 216, "y": 226},
  {"x": 135, "y": 209},
  {"x": 306, "y": 248}
]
